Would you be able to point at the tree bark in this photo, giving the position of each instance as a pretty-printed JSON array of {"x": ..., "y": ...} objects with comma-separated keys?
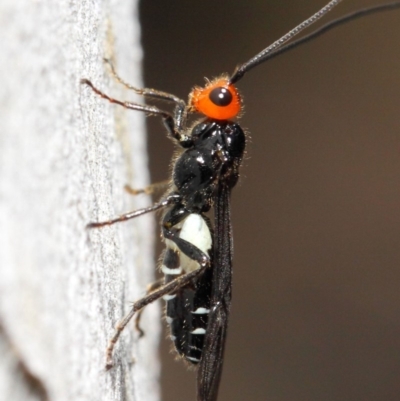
[{"x": 65, "y": 156}]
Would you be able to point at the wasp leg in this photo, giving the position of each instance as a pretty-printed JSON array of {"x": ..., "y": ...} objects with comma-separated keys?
[
  {"x": 131, "y": 215},
  {"x": 180, "y": 112},
  {"x": 168, "y": 288},
  {"x": 149, "y": 190},
  {"x": 155, "y": 93},
  {"x": 173, "y": 123},
  {"x": 172, "y": 286},
  {"x": 150, "y": 288}
]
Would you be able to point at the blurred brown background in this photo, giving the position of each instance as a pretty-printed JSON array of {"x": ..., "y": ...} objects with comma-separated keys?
[{"x": 316, "y": 308}]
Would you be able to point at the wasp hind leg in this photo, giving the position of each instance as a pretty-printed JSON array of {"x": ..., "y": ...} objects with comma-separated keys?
[
  {"x": 150, "y": 288},
  {"x": 165, "y": 289}
]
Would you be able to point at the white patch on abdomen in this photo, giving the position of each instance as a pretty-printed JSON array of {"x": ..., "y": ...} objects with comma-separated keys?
[{"x": 194, "y": 229}]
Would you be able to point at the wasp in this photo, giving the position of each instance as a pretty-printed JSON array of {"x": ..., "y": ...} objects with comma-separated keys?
[{"x": 197, "y": 261}]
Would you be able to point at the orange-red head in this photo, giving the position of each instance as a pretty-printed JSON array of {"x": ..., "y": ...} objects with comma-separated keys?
[{"x": 218, "y": 100}]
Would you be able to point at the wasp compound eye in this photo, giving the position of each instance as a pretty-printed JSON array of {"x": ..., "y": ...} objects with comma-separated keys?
[
  {"x": 221, "y": 96},
  {"x": 218, "y": 100}
]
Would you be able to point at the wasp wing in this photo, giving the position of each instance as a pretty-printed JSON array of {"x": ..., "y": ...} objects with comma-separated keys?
[{"x": 210, "y": 367}]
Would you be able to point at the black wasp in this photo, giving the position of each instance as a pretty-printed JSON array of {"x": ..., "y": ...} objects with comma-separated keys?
[{"x": 197, "y": 262}]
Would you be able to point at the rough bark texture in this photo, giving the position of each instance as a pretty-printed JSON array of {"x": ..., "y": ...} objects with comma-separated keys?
[{"x": 65, "y": 155}]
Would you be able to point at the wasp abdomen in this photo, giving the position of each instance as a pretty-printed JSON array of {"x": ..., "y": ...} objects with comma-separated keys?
[{"x": 187, "y": 309}]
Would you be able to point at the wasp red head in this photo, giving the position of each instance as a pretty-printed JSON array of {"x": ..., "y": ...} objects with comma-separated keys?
[{"x": 218, "y": 100}]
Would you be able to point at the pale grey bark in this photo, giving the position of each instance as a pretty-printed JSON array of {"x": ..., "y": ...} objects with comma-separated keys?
[{"x": 65, "y": 155}]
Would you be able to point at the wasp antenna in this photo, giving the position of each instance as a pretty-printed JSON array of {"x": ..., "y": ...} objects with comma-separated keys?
[
  {"x": 257, "y": 59},
  {"x": 276, "y": 48}
]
